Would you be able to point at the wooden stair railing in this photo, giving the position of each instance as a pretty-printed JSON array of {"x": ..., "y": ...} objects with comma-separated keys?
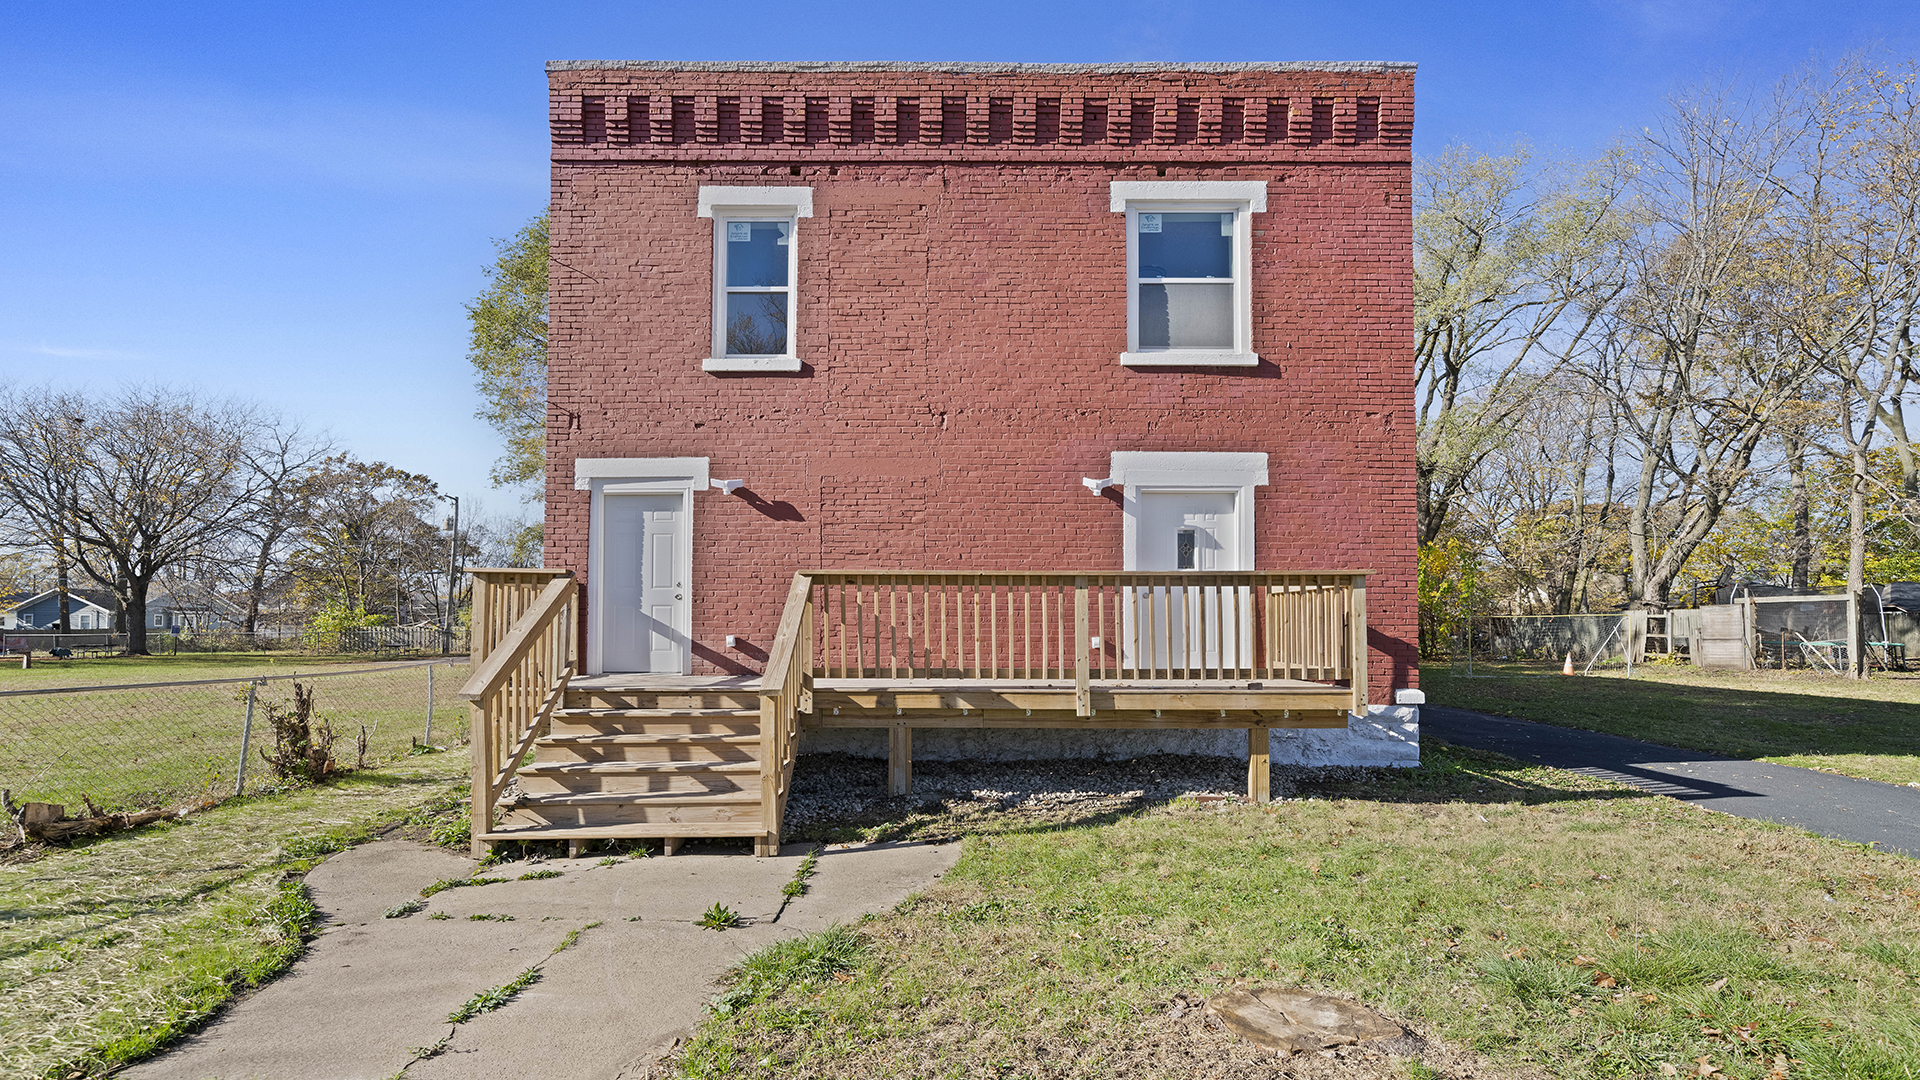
[
  {"x": 525, "y": 651},
  {"x": 786, "y": 691},
  {"x": 1122, "y": 628}
]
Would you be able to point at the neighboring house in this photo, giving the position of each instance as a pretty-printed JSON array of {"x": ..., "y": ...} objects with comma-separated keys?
[
  {"x": 933, "y": 320},
  {"x": 187, "y": 609},
  {"x": 87, "y": 609}
]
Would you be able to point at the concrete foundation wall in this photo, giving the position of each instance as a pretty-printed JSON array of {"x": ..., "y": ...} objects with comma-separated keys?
[{"x": 1389, "y": 735}]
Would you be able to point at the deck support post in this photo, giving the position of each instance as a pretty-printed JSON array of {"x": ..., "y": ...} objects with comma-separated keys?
[
  {"x": 899, "y": 760},
  {"x": 670, "y": 845},
  {"x": 1082, "y": 661},
  {"x": 1259, "y": 785}
]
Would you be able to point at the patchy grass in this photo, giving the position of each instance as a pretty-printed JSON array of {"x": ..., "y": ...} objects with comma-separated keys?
[
  {"x": 115, "y": 947},
  {"x": 164, "y": 746},
  {"x": 1869, "y": 729},
  {"x": 1525, "y": 920}
]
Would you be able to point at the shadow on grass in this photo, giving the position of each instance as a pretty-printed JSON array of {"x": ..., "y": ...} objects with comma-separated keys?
[
  {"x": 838, "y": 798},
  {"x": 1747, "y": 720}
]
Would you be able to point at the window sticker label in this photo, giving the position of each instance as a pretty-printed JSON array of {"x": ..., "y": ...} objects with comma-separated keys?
[
  {"x": 1149, "y": 223},
  {"x": 739, "y": 232},
  {"x": 1226, "y": 224}
]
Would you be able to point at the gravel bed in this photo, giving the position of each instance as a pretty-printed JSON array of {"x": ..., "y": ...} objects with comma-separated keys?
[{"x": 834, "y": 793}]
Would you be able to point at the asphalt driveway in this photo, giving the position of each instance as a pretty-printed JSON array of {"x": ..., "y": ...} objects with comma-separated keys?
[{"x": 1864, "y": 811}]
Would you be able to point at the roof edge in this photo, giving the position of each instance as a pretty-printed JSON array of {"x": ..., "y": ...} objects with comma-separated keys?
[{"x": 970, "y": 67}]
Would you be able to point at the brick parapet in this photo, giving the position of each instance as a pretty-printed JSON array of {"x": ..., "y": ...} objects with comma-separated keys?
[{"x": 626, "y": 114}]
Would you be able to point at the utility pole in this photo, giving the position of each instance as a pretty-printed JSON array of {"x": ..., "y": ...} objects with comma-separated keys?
[{"x": 453, "y": 576}]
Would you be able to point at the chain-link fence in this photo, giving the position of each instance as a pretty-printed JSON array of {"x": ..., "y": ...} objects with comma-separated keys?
[
  {"x": 375, "y": 640},
  {"x": 162, "y": 744},
  {"x": 1508, "y": 645}
]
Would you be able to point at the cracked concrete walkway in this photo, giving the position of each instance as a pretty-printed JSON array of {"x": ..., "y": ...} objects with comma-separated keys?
[{"x": 372, "y": 988}]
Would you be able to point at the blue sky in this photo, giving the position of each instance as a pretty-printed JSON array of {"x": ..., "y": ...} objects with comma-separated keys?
[{"x": 291, "y": 202}]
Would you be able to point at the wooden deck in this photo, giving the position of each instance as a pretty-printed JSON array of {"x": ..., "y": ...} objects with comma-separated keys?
[{"x": 564, "y": 756}]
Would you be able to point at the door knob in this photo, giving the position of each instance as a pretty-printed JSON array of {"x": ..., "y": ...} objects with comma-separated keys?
[{"x": 676, "y": 596}]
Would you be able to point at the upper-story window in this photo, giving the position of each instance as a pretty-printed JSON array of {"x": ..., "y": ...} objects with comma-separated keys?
[
  {"x": 1189, "y": 271},
  {"x": 756, "y": 267}
]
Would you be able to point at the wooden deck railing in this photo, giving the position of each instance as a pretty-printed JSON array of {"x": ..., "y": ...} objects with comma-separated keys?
[
  {"x": 524, "y": 651},
  {"x": 786, "y": 691},
  {"x": 1124, "y": 628}
]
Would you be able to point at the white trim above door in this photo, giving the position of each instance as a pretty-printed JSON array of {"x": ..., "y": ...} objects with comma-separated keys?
[
  {"x": 679, "y": 478},
  {"x": 1174, "y": 471}
]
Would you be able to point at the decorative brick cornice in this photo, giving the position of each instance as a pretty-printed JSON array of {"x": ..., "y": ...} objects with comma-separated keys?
[{"x": 645, "y": 110}]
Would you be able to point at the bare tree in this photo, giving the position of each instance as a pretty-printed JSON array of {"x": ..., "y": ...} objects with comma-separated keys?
[
  {"x": 1693, "y": 385},
  {"x": 1512, "y": 266},
  {"x": 136, "y": 481},
  {"x": 283, "y": 456},
  {"x": 1855, "y": 260}
]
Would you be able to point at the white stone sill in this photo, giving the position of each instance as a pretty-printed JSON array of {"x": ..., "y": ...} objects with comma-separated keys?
[
  {"x": 750, "y": 363},
  {"x": 1176, "y": 358}
]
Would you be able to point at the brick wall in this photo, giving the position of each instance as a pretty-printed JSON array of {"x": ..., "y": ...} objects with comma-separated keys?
[{"x": 961, "y": 308}]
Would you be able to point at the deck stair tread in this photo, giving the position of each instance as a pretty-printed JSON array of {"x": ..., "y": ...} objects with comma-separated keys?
[
  {"x": 530, "y": 800},
  {"x": 635, "y": 738},
  {"x": 615, "y": 832},
  {"x": 548, "y": 768},
  {"x": 653, "y": 714}
]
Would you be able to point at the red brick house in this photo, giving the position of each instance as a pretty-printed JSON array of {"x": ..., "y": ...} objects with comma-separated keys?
[{"x": 950, "y": 319}]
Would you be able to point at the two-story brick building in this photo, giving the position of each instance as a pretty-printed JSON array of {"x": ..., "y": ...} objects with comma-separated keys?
[{"x": 931, "y": 320}]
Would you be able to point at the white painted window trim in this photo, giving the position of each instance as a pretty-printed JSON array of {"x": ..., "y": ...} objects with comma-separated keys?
[
  {"x": 1153, "y": 472},
  {"x": 637, "y": 476},
  {"x": 724, "y": 204},
  {"x": 797, "y": 201},
  {"x": 1242, "y": 198}
]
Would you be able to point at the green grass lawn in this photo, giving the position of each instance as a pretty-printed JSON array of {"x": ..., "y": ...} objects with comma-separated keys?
[
  {"x": 1869, "y": 729},
  {"x": 113, "y": 947},
  {"x": 1527, "y": 920}
]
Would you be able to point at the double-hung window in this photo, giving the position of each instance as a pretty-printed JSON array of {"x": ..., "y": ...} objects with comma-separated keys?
[
  {"x": 1189, "y": 271},
  {"x": 756, "y": 266}
]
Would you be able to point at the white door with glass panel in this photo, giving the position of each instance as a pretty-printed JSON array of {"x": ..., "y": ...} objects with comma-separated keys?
[
  {"x": 643, "y": 617},
  {"x": 1182, "y": 628}
]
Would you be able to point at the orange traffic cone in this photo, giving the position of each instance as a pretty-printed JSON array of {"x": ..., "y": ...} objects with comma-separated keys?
[{"x": 1567, "y": 668}]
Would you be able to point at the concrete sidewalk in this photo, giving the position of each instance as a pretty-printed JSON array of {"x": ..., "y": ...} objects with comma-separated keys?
[
  {"x": 1864, "y": 811},
  {"x": 372, "y": 988}
]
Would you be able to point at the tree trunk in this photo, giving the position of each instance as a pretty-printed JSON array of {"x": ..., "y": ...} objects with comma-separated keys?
[
  {"x": 1801, "y": 549},
  {"x": 1857, "y": 557},
  {"x": 256, "y": 589},
  {"x": 133, "y": 601}
]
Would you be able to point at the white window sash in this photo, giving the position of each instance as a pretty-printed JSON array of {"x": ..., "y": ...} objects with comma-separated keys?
[
  {"x": 1241, "y": 353},
  {"x": 790, "y": 213}
]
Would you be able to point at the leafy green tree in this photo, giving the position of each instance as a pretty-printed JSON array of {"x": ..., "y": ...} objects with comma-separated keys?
[{"x": 509, "y": 354}]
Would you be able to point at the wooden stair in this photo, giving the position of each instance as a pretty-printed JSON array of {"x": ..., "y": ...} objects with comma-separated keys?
[{"x": 633, "y": 762}]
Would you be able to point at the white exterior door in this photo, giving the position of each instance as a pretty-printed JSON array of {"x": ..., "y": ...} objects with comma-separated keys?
[
  {"x": 1192, "y": 531},
  {"x": 644, "y": 617}
]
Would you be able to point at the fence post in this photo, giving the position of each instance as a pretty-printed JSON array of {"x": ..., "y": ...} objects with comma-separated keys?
[
  {"x": 427, "y": 740},
  {"x": 246, "y": 736}
]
